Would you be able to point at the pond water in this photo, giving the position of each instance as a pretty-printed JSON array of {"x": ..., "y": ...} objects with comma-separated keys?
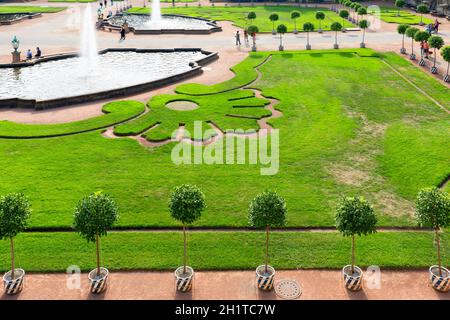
[{"x": 143, "y": 22}]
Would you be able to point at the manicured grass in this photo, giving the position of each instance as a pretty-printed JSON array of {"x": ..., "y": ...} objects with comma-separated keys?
[
  {"x": 223, "y": 250},
  {"x": 115, "y": 112},
  {"x": 388, "y": 14},
  {"x": 231, "y": 110},
  {"x": 347, "y": 122},
  {"x": 238, "y": 15},
  {"x": 20, "y": 9}
]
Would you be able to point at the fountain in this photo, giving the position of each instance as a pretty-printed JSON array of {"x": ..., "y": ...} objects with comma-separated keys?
[
  {"x": 158, "y": 23},
  {"x": 89, "y": 52}
]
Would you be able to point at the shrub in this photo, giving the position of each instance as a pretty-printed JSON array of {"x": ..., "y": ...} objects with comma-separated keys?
[
  {"x": 14, "y": 214},
  {"x": 433, "y": 210},
  {"x": 186, "y": 204},
  {"x": 355, "y": 216},
  {"x": 94, "y": 215},
  {"x": 267, "y": 210}
]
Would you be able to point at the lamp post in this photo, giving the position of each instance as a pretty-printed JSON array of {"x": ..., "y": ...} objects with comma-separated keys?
[{"x": 15, "y": 54}]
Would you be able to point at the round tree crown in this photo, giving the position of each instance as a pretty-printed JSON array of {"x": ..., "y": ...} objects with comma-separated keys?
[
  {"x": 94, "y": 215},
  {"x": 401, "y": 28},
  {"x": 436, "y": 42},
  {"x": 320, "y": 15},
  {"x": 267, "y": 209},
  {"x": 399, "y": 3},
  {"x": 308, "y": 26},
  {"x": 252, "y": 29},
  {"x": 273, "y": 17},
  {"x": 422, "y": 8},
  {"x": 295, "y": 14},
  {"x": 362, "y": 11},
  {"x": 355, "y": 216},
  {"x": 14, "y": 214},
  {"x": 364, "y": 24},
  {"x": 336, "y": 26},
  {"x": 186, "y": 203},
  {"x": 251, "y": 15},
  {"x": 343, "y": 13},
  {"x": 433, "y": 208},
  {"x": 411, "y": 31},
  {"x": 421, "y": 36},
  {"x": 281, "y": 28},
  {"x": 445, "y": 53}
]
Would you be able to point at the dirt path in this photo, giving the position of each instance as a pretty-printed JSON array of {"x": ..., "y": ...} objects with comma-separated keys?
[{"x": 220, "y": 285}]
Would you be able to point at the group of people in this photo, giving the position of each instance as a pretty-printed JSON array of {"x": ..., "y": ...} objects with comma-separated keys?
[
  {"x": 433, "y": 27},
  {"x": 237, "y": 36},
  {"x": 425, "y": 49},
  {"x": 36, "y": 56}
]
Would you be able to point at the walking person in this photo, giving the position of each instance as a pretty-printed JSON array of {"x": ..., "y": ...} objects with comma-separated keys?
[
  {"x": 246, "y": 37},
  {"x": 436, "y": 26},
  {"x": 422, "y": 49},
  {"x": 426, "y": 49},
  {"x": 122, "y": 34},
  {"x": 238, "y": 38}
]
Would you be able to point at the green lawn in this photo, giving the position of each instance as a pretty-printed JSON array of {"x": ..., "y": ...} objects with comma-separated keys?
[
  {"x": 350, "y": 125},
  {"x": 114, "y": 113},
  {"x": 238, "y": 15},
  {"x": 390, "y": 15},
  {"x": 222, "y": 250},
  {"x": 20, "y": 9}
]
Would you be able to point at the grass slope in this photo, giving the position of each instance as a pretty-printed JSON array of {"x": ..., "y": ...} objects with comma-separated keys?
[
  {"x": 390, "y": 15},
  {"x": 238, "y": 15},
  {"x": 115, "y": 112},
  {"x": 222, "y": 250},
  {"x": 347, "y": 122}
]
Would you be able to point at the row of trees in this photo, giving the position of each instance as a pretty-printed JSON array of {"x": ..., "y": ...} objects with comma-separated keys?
[
  {"x": 435, "y": 43},
  {"x": 421, "y": 8},
  {"x": 96, "y": 213}
]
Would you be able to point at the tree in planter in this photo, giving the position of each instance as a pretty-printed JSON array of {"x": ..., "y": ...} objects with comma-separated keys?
[
  {"x": 436, "y": 43},
  {"x": 362, "y": 11},
  {"x": 252, "y": 31},
  {"x": 320, "y": 16},
  {"x": 356, "y": 7},
  {"x": 399, "y": 4},
  {"x": 422, "y": 8},
  {"x": 363, "y": 24},
  {"x": 410, "y": 33},
  {"x": 401, "y": 29},
  {"x": 273, "y": 17},
  {"x": 308, "y": 27},
  {"x": 251, "y": 16},
  {"x": 445, "y": 53},
  {"x": 355, "y": 216},
  {"x": 94, "y": 215},
  {"x": 433, "y": 210},
  {"x": 14, "y": 214},
  {"x": 421, "y": 36},
  {"x": 336, "y": 26},
  {"x": 267, "y": 210},
  {"x": 281, "y": 29},
  {"x": 344, "y": 15},
  {"x": 294, "y": 16},
  {"x": 186, "y": 205}
]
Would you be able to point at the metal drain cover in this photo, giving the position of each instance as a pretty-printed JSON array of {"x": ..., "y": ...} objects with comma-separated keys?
[{"x": 288, "y": 289}]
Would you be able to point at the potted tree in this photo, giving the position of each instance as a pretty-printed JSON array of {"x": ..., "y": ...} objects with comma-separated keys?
[
  {"x": 14, "y": 214},
  {"x": 252, "y": 31},
  {"x": 399, "y": 4},
  {"x": 401, "y": 29},
  {"x": 308, "y": 27},
  {"x": 251, "y": 16},
  {"x": 320, "y": 16},
  {"x": 363, "y": 24},
  {"x": 281, "y": 29},
  {"x": 421, "y": 36},
  {"x": 344, "y": 15},
  {"x": 445, "y": 53},
  {"x": 186, "y": 205},
  {"x": 94, "y": 215},
  {"x": 354, "y": 216},
  {"x": 336, "y": 26},
  {"x": 422, "y": 8},
  {"x": 436, "y": 43},
  {"x": 266, "y": 210},
  {"x": 410, "y": 32},
  {"x": 433, "y": 210},
  {"x": 362, "y": 11},
  {"x": 294, "y": 16},
  {"x": 273, "y": 17}
]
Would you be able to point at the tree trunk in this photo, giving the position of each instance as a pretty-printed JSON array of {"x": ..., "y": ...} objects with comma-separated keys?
[
  {"x": 267, "y": 248},
  {"x": 185, "y": 251},
  {"x": 353, "y": 253},
  {"x": 364, "y": 34},
  {"x": 403, "y": 41},
  {"x": 438, "y": 241},
  {"x": 281, "y": 40},
  {"x": 412, "y": 46},
  {"x": 97, "y": 244},
  {"x": 448, "y": 67},
  {"x": 12, "y": 258},
  {"x": 307, "y": 38},
  {"x": 335, "y": 37},
  {"x": 434, "y": 62}
]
